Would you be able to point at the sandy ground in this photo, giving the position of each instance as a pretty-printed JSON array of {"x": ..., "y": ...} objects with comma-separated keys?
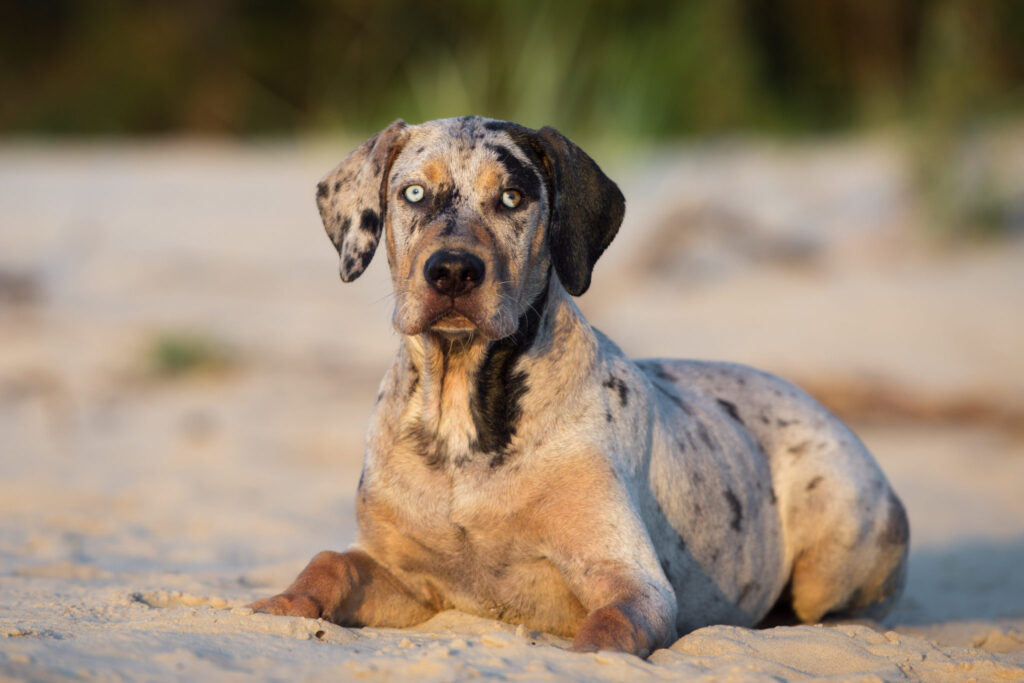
[{"x": 140, "y": 510}]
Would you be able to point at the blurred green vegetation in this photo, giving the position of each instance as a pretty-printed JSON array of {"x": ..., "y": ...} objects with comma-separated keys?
[
  {"x": 638, "y": 68},
  {"x": 181, "y": 354}
]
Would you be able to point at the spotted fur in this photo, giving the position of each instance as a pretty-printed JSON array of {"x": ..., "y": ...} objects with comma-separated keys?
[{"x": 520, "y": 466}]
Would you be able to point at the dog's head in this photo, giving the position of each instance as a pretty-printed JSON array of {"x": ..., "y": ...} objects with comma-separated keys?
[{"x": 474, "y": 213}]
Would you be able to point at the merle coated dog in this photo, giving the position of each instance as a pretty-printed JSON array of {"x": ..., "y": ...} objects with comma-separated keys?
[{"x": 519, "y": 466}]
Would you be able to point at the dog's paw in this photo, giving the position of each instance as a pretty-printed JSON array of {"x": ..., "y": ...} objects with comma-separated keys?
[
  {"x": 288, "y": 605},
  {"x": 609, "y": 629}
]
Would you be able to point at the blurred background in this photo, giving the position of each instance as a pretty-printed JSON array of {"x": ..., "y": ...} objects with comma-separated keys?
[
  {"x": 637, "y": 69},
  {"x": 831, "y": 190}
]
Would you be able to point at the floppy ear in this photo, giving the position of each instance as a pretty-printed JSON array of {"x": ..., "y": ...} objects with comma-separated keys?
[
  {"x": 586, "y": 210},
  {"x": 351, "y": 199}
]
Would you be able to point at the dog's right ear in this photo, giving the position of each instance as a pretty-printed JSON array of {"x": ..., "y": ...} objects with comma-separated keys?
[{"x": 351, "y": 199}]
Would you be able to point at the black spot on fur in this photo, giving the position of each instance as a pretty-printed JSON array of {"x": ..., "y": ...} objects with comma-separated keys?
[
  {"x": 342, "y": 230},
  {"x": 321, "y": 190},
  {"x": 498, "y": 459},
  {"x": 524, "y": 178},
  {"x": 608, "y": 416},
  {"x": 764, "y": 419},
  {"x": 745, "y": 591},
  {"x": 813, "y": 483},
  {"x": 736, "y": 523},
  {"x": 379, "y": 397},
  {"x": 897, "y": 529},
  {"x": 419, "y": 150},
  {"x": 681, "y": 445},
  {"x": 618, "y": 385},
  {"x": 443, "y": 201},
  {"x": 664, "y": 374},
  {"x": 370, "y": 222},
  {"x": 657, "y": 370},
  {"x": 799, "y": 449},
  {"x": 663, "y": 382},
  {"x": 449, "y": 226},
  {"x": 337, "y": 185},
  {"x": 499, "y": 387},
  {"x": 785, "y": 423},
  {"x": 350, "y": 263},
  {"x": 430, "y": 448},
  {"x": 413, "y": 385},
  {"x": 773, "y": 499},
  {"x": 731, "y": 409},
  {"x": 365, "y": 257}
]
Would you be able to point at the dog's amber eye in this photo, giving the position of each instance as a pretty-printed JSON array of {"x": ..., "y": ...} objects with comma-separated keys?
[
  {"x": 414, "y": 193},
  {"x": 511, "y": 198}
]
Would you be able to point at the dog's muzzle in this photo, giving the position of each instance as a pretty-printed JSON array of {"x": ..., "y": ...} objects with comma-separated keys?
[{"x": 454, "y": 273}]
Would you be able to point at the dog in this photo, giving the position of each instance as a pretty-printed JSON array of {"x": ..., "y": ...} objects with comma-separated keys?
[{"x": 519, "y": 466}]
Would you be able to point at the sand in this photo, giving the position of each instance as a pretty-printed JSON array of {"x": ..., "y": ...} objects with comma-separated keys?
[{"x": 142, "y": 509}]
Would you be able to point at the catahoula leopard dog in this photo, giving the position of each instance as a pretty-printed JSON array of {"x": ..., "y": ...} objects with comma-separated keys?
[{"x": 519, "y": 466}]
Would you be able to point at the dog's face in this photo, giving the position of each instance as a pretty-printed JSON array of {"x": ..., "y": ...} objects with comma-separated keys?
[
  {"x": 474, "y": 213},
  {"x": 466, "y": 210}
]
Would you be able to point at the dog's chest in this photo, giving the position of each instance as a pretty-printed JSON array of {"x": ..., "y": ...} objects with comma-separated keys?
[
  {"x": 469, "y": 544},
  {"x": 457, "y": 514}
]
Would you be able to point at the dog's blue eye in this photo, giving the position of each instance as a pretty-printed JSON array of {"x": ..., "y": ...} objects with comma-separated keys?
[
  {"x": 511, "y": 198},
  {"x": 414, "y": 193}
]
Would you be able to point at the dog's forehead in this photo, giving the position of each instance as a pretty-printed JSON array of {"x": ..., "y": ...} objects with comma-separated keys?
[{"x": 469, "y": 150}]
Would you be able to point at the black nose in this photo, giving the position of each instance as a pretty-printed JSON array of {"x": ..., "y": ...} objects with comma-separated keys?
[{"x": 453, "y": 273}]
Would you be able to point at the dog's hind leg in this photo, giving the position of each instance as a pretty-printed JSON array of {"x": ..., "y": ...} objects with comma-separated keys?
[
  {"x": 349, "y": 589},
  {"x": 845, "y": 531},
  {"x": 833, "y": 579}
]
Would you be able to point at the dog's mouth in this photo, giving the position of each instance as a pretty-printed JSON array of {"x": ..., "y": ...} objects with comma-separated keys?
[
  {"x": 467, "y": 316},
  {"x": 452, "y": 321}
]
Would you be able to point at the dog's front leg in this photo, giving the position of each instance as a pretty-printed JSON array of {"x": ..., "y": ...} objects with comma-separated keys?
[
  {"x": 605, "y": 555},
  {"x": 629, "y": 610},
  {"x": 638, "y": 620},
  {"x": 349, "y": 589}
]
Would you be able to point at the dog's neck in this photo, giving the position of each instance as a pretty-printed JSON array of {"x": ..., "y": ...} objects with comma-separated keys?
[{"x": 465, "y": 396}]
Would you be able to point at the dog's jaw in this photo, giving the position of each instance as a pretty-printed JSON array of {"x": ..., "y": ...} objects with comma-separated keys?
[{"x": 460, "y": 317}]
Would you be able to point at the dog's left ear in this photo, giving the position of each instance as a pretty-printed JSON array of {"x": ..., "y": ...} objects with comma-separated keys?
[
  {"x": 586, "y": 210},
  {"x": 351, "y": 199}
]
